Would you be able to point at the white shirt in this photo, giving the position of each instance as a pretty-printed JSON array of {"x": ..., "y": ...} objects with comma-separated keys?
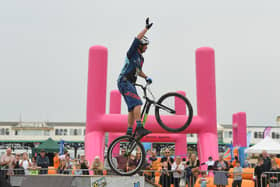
[
  {"x": 25, "y": 165},
  {"x": 210, "y": 163},
  {"x": 62, "y": 157},
  {"x": 177, "y": 167}
]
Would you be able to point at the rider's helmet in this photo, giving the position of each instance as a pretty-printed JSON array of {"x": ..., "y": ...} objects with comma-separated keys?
[{"x": 144, "y": 41}]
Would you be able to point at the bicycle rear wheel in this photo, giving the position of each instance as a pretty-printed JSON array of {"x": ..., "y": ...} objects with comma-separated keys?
[
  {"x": 166, "y": 107},
  {"x": 126, "y": 155}
]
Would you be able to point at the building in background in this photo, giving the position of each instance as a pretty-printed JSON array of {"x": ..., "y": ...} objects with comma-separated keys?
[{"x": 23, "y": 136}]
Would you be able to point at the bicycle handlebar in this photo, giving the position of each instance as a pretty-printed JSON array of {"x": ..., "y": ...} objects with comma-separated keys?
[{"x": 144, "y": 88}]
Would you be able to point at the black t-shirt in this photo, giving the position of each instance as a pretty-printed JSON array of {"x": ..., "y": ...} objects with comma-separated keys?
[
  {"x": 266, "y": 164},
  {"x": 258, "y": 171},
  {"x": 194, "y": 164},
  {"x": 163, "y": 159}
]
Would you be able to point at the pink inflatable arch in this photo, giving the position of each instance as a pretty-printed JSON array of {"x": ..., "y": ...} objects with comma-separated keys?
[
  {"x": 239, "y": 129},
  {"x": 98, "y": 122}
]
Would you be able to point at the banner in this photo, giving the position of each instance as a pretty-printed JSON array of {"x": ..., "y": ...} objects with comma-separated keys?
[
  {"x": 61, "y": 147},
  {"x": 249, "y": 137},
  {"x": 266, "y": 132},
  {"x": 147, "y": 146}
]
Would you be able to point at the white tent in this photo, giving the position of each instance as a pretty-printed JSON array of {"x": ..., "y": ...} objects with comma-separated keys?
[{"x": 267, "y": 144}]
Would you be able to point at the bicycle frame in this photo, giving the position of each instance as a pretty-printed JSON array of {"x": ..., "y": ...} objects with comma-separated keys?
[{"x": 148, "y": 103}]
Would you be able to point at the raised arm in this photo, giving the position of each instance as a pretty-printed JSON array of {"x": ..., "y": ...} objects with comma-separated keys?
[{"x": 147, "y": 27}]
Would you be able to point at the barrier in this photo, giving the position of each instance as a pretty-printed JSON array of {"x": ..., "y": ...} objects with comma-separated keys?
[
  {"x": 151, "y": 176},
  {"x": 76, "y": 181},
  {"x": 270, "y": 178}
]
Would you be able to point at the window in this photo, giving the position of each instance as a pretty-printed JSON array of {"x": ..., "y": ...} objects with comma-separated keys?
[
  {"x": 220, "y": 136},
  {"x": 2, "y": 131},
  {"x": 65, "y": 132},
  {"x": 79, "y": 132},
  {"x": 260, "y": 134},
  {"x": 277, "y": 135},
  {"x": 230, "y": 134},
  {"x": 61, "y": 132},
  {"x": 84, "y": 131},
  {"x": 273, "y": 135},
  {"x": 256, "y": 135},
  {"x": 7, "y": 131}
]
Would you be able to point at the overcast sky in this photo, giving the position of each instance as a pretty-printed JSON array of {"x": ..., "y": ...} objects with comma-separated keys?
[{"x": 44, "y": 53}]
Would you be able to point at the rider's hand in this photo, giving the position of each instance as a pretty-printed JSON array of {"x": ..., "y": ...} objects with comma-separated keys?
[
  {"x": 149, "y": 80},
  {"x": 148, "y": 24}
]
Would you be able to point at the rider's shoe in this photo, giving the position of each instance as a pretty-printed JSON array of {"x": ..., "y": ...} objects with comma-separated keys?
[
  {"x": 129, "y": 133},
  {"x": 141, "y": 131}
]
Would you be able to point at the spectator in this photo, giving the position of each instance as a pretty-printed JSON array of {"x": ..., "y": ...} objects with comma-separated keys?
[
  {"x": 237, "y": 174},
  {"x": 165, "y": 179},
  {"x": 132, "y": 164},
  {"x": 178, "y": 171},
  {"x": 25, "y": 163},
  {"x": 259, "y": 169},
  {"x": 33, "y": 169},
  {"x": 122, "y": 160},
  {"x": 108, "y": 168},
  {"x": 97, "y": 166},
  {"x": 84, "y": 165},
  {"x": 203, "y": 181},
  {"x": 33, "y": 162},
  {"x": 184, "y": 162},
  {"x": 43, "y": 161},
  {"x": 210, "y": 163},
  {"x": 7, "y": 162},
  {"x": 193, "y": 164},
  {"x": 62, "y": 169},
  {"x": 56, "y": 161},
  {"x": 274, "y": 176},
  {"x": 277, "y": 160},
  {"x": 155, "y": 163},
  {"x": 220, "y": 174},
  {"x": 68, "y": 162},
  {"x": 78, "y": 170},
  {"x": 266, "y": 161},
  {"x": 167, "y": 158},
  {"x": 62, "y": 157},
  {"x": 233, "y": 163},
  {"x": 18, "y": 170}
]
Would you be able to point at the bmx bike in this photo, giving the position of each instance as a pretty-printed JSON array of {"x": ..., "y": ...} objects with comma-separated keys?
[{"x": 126, "y": 154}]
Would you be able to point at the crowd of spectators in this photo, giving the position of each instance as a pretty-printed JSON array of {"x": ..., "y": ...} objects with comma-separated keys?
[
  {"x": 173, "y": 169},
  {"x": 21, "y": 164}
]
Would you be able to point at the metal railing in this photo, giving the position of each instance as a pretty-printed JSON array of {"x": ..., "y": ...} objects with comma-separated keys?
[
  {"x": 162, "y": 177},
  {"x": 269, "y": 178}
]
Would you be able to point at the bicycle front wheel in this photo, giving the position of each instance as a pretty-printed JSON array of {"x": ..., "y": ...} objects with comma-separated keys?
[
  {"x": 165, "y": 107},
  {"x": 126, "y": 155}
]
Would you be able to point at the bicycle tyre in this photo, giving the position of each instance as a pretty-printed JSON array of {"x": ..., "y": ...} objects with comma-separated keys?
[
  {"x": 110, "y": 156},
  {"x": 189, "y": 112}
]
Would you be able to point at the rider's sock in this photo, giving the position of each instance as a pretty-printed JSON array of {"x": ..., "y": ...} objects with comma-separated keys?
[
  {"x": 139, "y": 123},
  {"x": 129, "y": 130}
]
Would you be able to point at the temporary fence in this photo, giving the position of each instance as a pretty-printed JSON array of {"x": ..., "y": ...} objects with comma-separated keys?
[
  {"x": 271, "y": 179},
  {"x": 164, "y": 177}
]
